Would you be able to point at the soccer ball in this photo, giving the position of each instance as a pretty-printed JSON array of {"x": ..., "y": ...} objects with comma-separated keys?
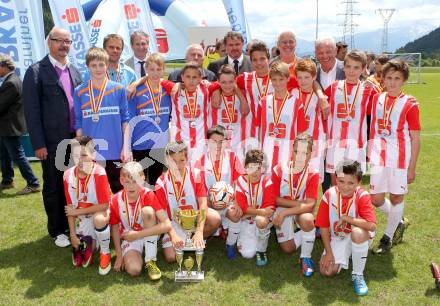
[{"x": 221, "y": 192}]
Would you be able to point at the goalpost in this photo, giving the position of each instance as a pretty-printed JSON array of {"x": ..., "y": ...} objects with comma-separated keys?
[{"x": 414, "y": 60}]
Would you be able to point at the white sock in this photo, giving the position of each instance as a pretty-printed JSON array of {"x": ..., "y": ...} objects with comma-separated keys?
[
  {"x": 297, "y": 238},
  {"x": 308, "y": 240},
  {"x": 396, "y": 214},
  {"x": 262, "y": 239},
  {"x": 359, "y": 253},
  {"x": 103, "y": 236},
  {"x": 150, "y": 245},
  {"x": 386, "y": 206},
  {"x": 233, "y": 232}
]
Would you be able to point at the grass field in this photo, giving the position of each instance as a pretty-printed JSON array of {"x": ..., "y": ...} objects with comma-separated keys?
[{"x": 34, "y": 271}]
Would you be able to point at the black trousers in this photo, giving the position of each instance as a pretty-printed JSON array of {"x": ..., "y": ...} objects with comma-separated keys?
[
  {"x": 153, "y": 163},
  {"x": 53, "y": 195},
  {"x": 113, "y": 171}
]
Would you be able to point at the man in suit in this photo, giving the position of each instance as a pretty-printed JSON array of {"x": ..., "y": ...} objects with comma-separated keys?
[
  {"x": 140, "y": 42},
  {"x": 235, "y": 57},
  {"x": 194, "y": 54},
  {"x": 12, "y": 127},
  {"x": 330, "y": 69},
  {"x": 48, "y": 106}
]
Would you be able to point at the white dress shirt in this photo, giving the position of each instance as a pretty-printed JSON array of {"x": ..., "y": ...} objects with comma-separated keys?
[{"x": 327, "y": 78}]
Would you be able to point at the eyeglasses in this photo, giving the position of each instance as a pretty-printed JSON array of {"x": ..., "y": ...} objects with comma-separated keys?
[{"x": 62, "y": 41}]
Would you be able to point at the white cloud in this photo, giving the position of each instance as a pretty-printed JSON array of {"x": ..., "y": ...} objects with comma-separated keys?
[{"x": 268, "y": 18}]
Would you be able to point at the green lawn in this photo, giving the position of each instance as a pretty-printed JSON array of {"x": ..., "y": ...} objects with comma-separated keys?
[{"x": 34, "y": 271}]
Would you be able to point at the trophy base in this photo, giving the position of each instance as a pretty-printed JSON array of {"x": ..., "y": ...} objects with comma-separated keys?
[{"x": 185, "y": 277}]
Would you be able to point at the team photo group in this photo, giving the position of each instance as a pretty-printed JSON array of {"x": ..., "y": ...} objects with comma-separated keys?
[{"x": 135, "y": 158}]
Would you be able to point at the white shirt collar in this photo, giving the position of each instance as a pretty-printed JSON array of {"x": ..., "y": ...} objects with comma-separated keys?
[
  {"x": 240, "y": 60},
  {"x": 56, "y": 63},
  {"x": 137, "y": 60}
]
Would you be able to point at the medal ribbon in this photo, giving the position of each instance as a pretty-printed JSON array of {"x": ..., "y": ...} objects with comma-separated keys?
[
  {"x": 217, "y": 172},
  {"x": 178, "y": 191},
  {"x": 262, "y": 93},
  {"x": 158, "y": 99},
  {"x": 340, "y": 203},
  {"x": 95, "y": 106},
  {"x": 386, "y": 118},
  {"x": 230, "y": 115},
  {"x": 118, "y": 74},
  {"x": 307, "y": 102},
  {"x": 277, "y": 111},
  {"x": 254, "y": 197},
  {"x": 130, "y": 221},
  {"x": 192, "y": 110},
  {"x": 86, "y": 182},
  {"x": 301, "y": 182},
  {"x": 346, "y": 102}
]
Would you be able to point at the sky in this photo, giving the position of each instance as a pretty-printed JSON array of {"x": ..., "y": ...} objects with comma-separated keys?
[{"x": 266, "y": 18}]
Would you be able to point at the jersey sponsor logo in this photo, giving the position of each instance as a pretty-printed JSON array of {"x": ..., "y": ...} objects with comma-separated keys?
[
  {"x": 152, "y": 112},
  {"x": 341, "y": 112},
  {"x": 277, "y": 131},
  {"x": 103, "y": 111}
]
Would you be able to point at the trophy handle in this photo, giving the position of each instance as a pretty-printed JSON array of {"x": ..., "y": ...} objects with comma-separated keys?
[
  {"x": 202, "y": 214},
  {"x": 176, "y": 215}
]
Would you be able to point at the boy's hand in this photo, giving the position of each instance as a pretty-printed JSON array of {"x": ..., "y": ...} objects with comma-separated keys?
[
  {"x": 126, "y": 155},
  {"x": 235, "y": 211},
  {"x": 119, "y": 263},
  {"x": 411, "y": 176},
  {"x": 218, "y": 205},
  {"x": 70, "y": 212},
  {"x": 205, "y": 83},
  {"x": 266, "y": 212},
  {"x": 130, "y": 236},
  {"x": 74, "y": 240},
  {"x": 278, "y": 220},
  {"x": 176, "y": 89},
  {"x": 324, "y": 106},
  {"x": 131, "y": 90},
  {"x": 216, "y": 99},
  {"x": 327, "y": 261},
  {"x": 177, "y": 242},
  {"x": 198, "y": 241}
]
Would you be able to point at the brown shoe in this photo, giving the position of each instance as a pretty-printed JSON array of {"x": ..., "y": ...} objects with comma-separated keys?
[
  {"x": 28, "y": 189},
  {"x": 7, "y": 186}
]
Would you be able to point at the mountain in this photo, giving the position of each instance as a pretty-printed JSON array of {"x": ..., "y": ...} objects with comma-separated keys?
[{"x": 428, "y": 44}]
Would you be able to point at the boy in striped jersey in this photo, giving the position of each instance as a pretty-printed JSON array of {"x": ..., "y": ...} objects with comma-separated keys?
[
  {"x": 87, "y": 197},
  {"x": 136, "y": 219},
  {"x": 296, "y": 187},
  {"x": 346, "y": 217},
  {"x": 393, "y": 150},
  {"x": 347, "y": 125}
]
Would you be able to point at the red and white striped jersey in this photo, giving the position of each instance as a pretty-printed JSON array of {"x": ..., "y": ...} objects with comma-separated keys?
[
  {"x": 295, "y": 186},
  {"x": 313, "y": 119},
  {"x": 93, "y": 189},
  {"x": 347, "y": 124},
  {"x": 173, "y": 194},
  {"x": 229, "y": 116},
  {"x": 257, "y": 195},
  {"x": 189, "y": 117},
  {"x": 280, "y": 122},
  {"x": 391, "y": 120},
  {"x": 227, "y": 169},
  {"x": 128, "y": 215}
]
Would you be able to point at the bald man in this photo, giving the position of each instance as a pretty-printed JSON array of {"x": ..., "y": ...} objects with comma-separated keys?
[
  {"x": 194, "y": 54},
  {"x": 286, "y": 44},
  {"x": 48, "y": 104}
]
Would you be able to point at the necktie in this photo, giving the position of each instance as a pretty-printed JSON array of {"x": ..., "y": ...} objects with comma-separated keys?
[
  {"x": 236, "y": 66},
  {"x": 142, "y": 68}
]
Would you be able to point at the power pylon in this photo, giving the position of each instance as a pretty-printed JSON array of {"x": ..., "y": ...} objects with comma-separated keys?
[
  {"x": 386, "y": 17},
  {"x": 349, "y": 24}
]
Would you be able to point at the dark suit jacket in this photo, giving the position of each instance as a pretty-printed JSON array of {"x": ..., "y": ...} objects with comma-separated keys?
[
  {"x": 45, "y": 104},
  {"x": 340, "y": 75},
  {"x": 11, "y": 107},
  {"x": 207, "y": 75},
  {"x": 245, "y": 65}
]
